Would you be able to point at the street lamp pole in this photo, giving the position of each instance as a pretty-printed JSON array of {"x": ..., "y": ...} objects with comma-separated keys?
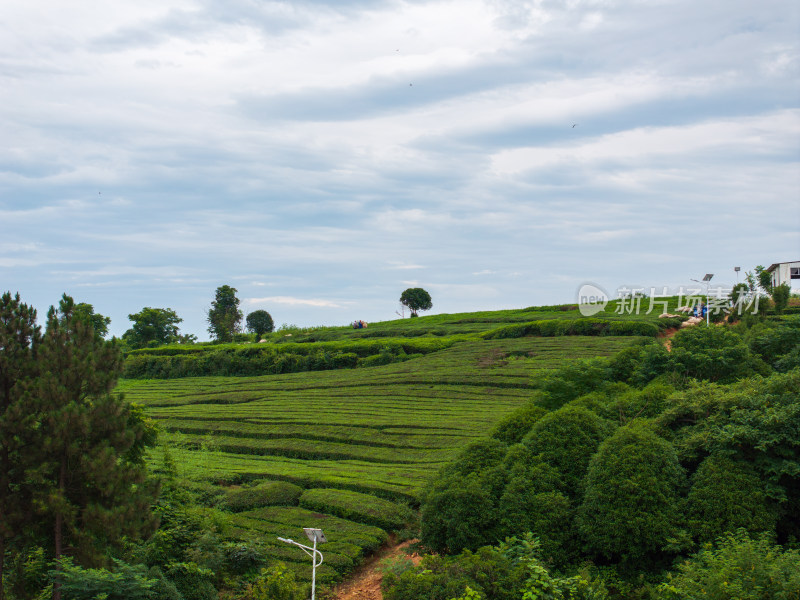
[
  {"x": 707, "y": 282},
  {"x": 315, "y": 535}
]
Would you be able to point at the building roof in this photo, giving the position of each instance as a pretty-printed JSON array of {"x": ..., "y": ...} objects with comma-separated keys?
[{"x": 774, "y": 266}]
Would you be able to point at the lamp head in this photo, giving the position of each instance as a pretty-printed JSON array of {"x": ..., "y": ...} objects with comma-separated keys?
[{"x": 315, "y": 535}]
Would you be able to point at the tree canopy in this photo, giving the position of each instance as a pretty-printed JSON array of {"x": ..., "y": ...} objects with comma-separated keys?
[
  {"x": 416, "y": 299},
  {"x": 260, "y": 322},
  {"x": 224, "y": 316},
  {"x": 99, "y": 322},
  {"x": 153, "y": 327}
]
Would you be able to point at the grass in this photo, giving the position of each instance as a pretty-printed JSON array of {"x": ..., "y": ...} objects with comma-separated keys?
[{"x": 361, "y": 443}]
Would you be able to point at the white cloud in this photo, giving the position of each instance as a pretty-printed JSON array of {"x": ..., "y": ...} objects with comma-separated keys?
[{"x": 293, "y": 301}]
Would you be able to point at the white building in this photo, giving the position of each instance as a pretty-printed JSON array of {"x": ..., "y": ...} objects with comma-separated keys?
[{"x": 784, "y": 272}]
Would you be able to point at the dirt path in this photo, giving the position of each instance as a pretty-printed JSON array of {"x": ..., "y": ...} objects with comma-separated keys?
[
  {"x": 668, "y": 333},
  {"x": 365, "y": 584}
]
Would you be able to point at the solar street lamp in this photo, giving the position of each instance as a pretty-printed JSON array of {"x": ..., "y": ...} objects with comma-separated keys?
[
  {"x": 707, "y": 282},
  {"x": 315, "y": 535}
]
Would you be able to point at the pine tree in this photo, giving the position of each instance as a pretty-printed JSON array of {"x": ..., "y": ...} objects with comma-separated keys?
[
  {"x": 91, "y": 475},
  {"x": 19, "y": 337}
]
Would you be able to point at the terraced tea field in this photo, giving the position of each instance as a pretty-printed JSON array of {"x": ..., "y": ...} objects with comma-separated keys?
[{"x": 359, "y": 443}]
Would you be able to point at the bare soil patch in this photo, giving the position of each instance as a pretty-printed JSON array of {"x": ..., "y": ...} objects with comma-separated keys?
[{"x": 365, "y": 584}]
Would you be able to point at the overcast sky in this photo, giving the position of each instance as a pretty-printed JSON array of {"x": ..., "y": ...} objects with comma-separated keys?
[{"x": 322, "y": 156}]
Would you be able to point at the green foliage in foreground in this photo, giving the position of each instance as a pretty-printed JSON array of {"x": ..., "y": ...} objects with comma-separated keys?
[
  {"x": 123, "y": 582},
  {"x": 740, "y": 567},
  {"x": 276, "y": 583},
  {"x": 512, "y": 570}
]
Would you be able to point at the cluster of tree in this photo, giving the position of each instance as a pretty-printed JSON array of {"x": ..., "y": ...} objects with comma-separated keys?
[
  {"x": 153, "y": 327},
  {"x": 225, "y": 317},
  {"x": 633, "y": 463},
  {"x": 72, "y": 476}
]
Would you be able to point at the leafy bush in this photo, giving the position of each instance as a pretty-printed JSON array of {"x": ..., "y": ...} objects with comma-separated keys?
[
  {"x": 276, "y": 583},
  {"x": 126, "y": 582},
  {"x": 576, "y": 379},
  {"x": 780, "y": 297},
  {"x": 726, "y": 495},
  {"x": 631, "y": 505},
  {"x": 193, "y": 581},
  {"x": 566, "y": 439},
  {"x": 486, "y": 571},
  {"x": 710, "y": 353},
  {"x": 755, "y": 420},
  {"x": 513, "y": 427},
  {"x": 776, "y": 342},
  {"x": 458, "y": 513},
  {"x": 511, "y": 570},
  {"x": 740, "y": 567}
]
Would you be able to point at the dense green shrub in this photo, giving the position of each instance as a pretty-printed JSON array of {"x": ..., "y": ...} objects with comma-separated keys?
[
  {"x": 271, "y": 493},
  {"x": 487, "y": 571},
  {"x": 513, "y": 427},
  {"x": 739, "y": 567},
  {"x": 755, "y": 420},
  {"x": 710, "y": 353},
  {"x": 276, "y": 583},
  {"x": 648, "y": 402},
  {"x": 125, "y": 582},
  {"x": 548, "y": 515},
  {"x": 780, "y": 297},
  {"x": 576, "y": 379},
  {"x": 631, "y": 506},
  {"x": 478, "y": 457},
  {"x": 566, "y": 440},
  {"x": 458, "y": 513},
  {"x": 511, "y": 570},
  {"x": 726, "y": 495},
  {"x": 241, "y": 557},
  {"x": 193, "y": 581},
  {"x": 776, "y": 342}
]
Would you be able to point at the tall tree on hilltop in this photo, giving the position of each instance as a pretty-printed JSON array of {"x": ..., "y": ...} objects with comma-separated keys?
[
  {"x": 19, "y": 337},
  {"x": 224, "y": 316},
  {"x": 260, "y": 322},
  {"x": 91, "y": 477},
  {"x": 416, "y": 299}
]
